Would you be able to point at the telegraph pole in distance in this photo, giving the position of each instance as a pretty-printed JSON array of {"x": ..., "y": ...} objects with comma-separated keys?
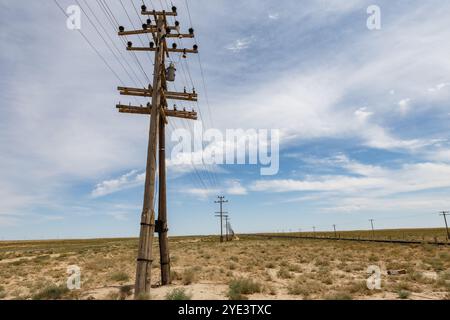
[
  {"x": 445, "y": 214},
  {"x": 373, "y": 230},
  {"x": 335, "y": 233},
  {"x": 221, "y": 214},
  {"x": 159, "y": 112}
]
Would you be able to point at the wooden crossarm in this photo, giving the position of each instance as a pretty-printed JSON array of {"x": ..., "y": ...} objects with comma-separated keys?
[
  {"x": 168, "y": 95},
  {"x": 147, "y": 111},
  {"x": 172, "y": 93},
  {"x": 175, "y": 35},
  {"x": 133, "y": 32},
  {"x": 159, "y": 13},
  {"x": 168, "y": 49}
]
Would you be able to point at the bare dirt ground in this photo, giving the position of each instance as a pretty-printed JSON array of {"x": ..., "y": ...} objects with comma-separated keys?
[{"x": 203, "y": 269}]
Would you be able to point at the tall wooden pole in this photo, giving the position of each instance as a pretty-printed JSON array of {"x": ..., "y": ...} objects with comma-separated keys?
[
  {"x": 162, "y": 217},
  {"x": 144, "y": 260},
  {"x": 159, "y": 112}
]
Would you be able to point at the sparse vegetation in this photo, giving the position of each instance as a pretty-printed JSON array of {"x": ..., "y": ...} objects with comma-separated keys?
[
  {"x": 268, "y": 268},
  {"x": 404, "y": 294},
  {"x": 52, "y": 292},
  {"x": 178, "y": 294},
  {"x": 189, "y": 276},
  {"x": 284, "y": 273},
  {"x": 120, "y": 276},
  {"x": 240, "y": 287}
]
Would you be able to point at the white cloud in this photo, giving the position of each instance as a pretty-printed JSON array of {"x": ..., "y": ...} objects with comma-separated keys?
[
  {"x": 129, "y": 180},
  {"x": 236, "y": 188},
  {"x": 439, "y": 87},
  {"x": 274, "y": 16},
  {"x": 404, "y": 105},
  {"x": 371, "y": 180},
  {"x": 363, "y": 115},
  {"x": 240, "y": 44},
  {"x": 202, "y": 193}
]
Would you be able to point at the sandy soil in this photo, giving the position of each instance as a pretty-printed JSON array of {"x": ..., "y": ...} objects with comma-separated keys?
[{"x": 204, "y": 269}]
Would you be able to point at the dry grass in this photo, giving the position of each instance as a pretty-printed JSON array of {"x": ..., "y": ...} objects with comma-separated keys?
[{"x": 251, "y": 268}]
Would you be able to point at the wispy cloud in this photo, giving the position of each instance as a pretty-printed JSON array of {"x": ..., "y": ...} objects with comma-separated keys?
[
  {"x": 240, "y": 44},
  {"x": 367, "y": 179},
  {"x": 439, "y": 87},
  {"x": 126, "y": 181},
  {"x": 274, "y": 16},
  {"x": 404, "y": 105}
]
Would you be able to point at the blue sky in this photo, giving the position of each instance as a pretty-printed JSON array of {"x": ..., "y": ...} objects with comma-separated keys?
[{"x": 364, "y": 117}]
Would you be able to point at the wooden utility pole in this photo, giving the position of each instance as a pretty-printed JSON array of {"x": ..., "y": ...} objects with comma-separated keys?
[
  {"x": 159, "y": 113},
  {"x": 373, "y": 230},
  {"x": 335, "y": 233},
  {"x": 445, "y": 214},
  {"x": 221, "y": 214}
]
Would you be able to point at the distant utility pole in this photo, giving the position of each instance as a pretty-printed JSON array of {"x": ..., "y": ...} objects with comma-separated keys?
[
  {"x": 158, "y": 27},
  {"x": 445, "y": 214},
  {"x": 221, "y": 214},
  {"x": 335, "y": 233},
  {"x": 373, "y": 230}
]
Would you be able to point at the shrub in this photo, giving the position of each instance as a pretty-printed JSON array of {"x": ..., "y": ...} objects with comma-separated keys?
[
  {"x": 178, "y": 294},
  {"x": 298, "y": 289},
  {"x": 125, "y": 291},
  {"x": 240, "y": 287},
  {"x": 188, "y": 276},
  {"x": 120, "y": 276},
  {"x": 404, "y": 294},
  {"x": 51, "y": 292},
  {"x": 284, "y": 273}
]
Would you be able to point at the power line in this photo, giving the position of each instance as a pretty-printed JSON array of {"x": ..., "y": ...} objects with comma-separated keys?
[{"x": 91, "y": 45}]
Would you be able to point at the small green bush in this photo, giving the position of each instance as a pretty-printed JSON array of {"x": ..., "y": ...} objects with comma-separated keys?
[
  {"x": 178, "y": 294},
  {"x": 404, "y": 294},
  {"x": 189, "y": 276},
  {"x": 125, "y": 292},
  {"x": 120, "y": 276},
  {"x": 284, "y": 273},
  {"x": 240, "y": 287},
  {"x": 51, "y": 292}
]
